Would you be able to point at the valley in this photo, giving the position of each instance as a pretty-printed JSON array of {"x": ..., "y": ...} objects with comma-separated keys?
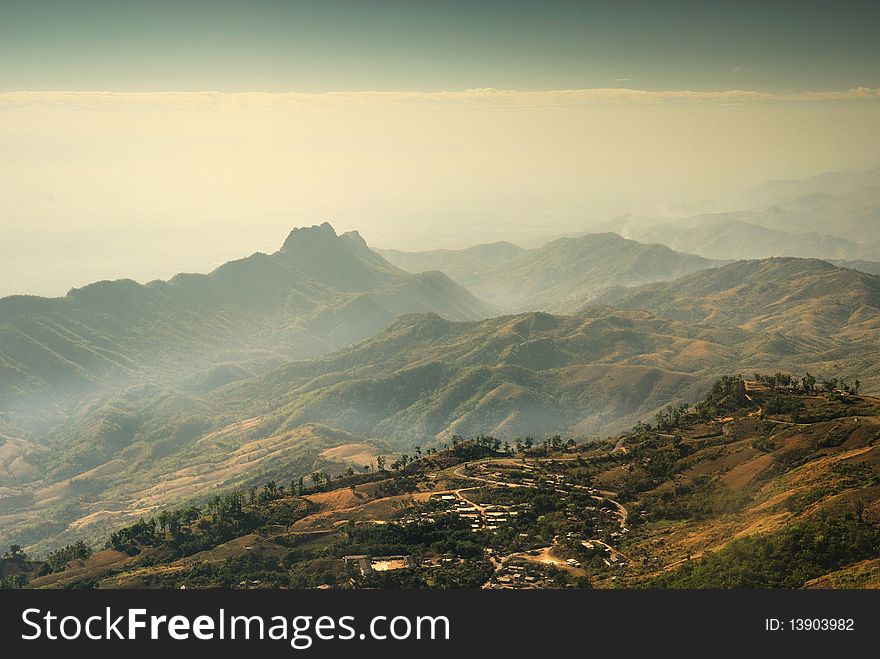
[{"x": 706, "y": 496}]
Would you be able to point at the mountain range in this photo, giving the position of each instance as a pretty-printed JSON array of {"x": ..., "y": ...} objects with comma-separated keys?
[
  {"x": 319, "y": 292},
  {"x": 121, "y": 399},
  {"x": 751, "y": 235},
  {"x": 426, "y": 379},
  {"x": 831, "y": 216},
  {"x": 561, "y": 276}
]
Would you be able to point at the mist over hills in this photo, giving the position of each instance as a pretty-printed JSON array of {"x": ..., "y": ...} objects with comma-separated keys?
[
  {"x": 832, "y": 216},
  {"x": 583, "y": 374},
  {"x": 425, "y": 378},
  {"x": 417, "y": 383},
  {"x": 852, "y": 183},
  {"x": 560, "y": 276},
  {"x": 319, "y": 292},
  {"x": 748, "y": 235},
  {"x": 123, "y": 398}
]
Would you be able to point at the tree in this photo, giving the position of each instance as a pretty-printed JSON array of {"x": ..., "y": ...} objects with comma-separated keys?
[
  {"x": 164, "y": 518},
  {"x": 808, "y": 382},
  {"x": 58, "y": 559},
  {"x": 270, "y": 491},
  {"x": 380, "y": 462},
  {"x": 784, "y": 380}
]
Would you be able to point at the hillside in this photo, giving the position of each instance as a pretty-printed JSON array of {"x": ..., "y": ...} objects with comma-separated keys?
[
  {"x": 419, "y": 382},
  {"x": 425, "y": 378},
  {"x": 319, "y": 292},
  {"x": 808, "y": 297},
  {"x": 560, "y": 276},
  {"x": 754, "y": 487}
]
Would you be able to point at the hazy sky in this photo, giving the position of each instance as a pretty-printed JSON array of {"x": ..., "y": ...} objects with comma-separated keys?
[{"x": 421, "y": 124}]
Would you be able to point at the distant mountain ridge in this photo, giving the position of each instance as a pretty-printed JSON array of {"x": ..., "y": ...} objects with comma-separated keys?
[
  {"x": 834, "y": 216},
  {"x": 804, "y": 296},
  {"x": 746, "y": 235},
  {"x": 558, "y": 277},
  {"x": 843, "y": 183},
  {"x": 319, "y": 292}
]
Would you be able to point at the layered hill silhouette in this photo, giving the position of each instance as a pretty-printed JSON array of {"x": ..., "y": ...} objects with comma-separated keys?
[
  {"x": 808, "y": 297},
  {"x": 120, "y": 398},
  {"x": 560, "y": 276},
  {"x": 319, "y": 292},
  {"x": 832, "y": 216},
  {"x": 852, "y": 186},
  {"x": 756, "y": 234}
]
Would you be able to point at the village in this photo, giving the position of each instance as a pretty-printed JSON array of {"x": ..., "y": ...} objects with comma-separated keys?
[{"x": 518, "y": 503}]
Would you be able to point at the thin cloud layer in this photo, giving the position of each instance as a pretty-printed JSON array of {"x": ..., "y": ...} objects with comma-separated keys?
[{"x": 485, "y": 97}]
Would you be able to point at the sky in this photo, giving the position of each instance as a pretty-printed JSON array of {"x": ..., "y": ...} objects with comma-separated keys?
[
  {"x": 139, "y": 139},
  {"x": 357, "y": 45}
]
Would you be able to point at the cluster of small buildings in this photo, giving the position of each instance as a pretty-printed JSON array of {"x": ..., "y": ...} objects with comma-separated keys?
[
  {"x": 513, "y": 576},
  {"x": 488, "y": 516}
]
